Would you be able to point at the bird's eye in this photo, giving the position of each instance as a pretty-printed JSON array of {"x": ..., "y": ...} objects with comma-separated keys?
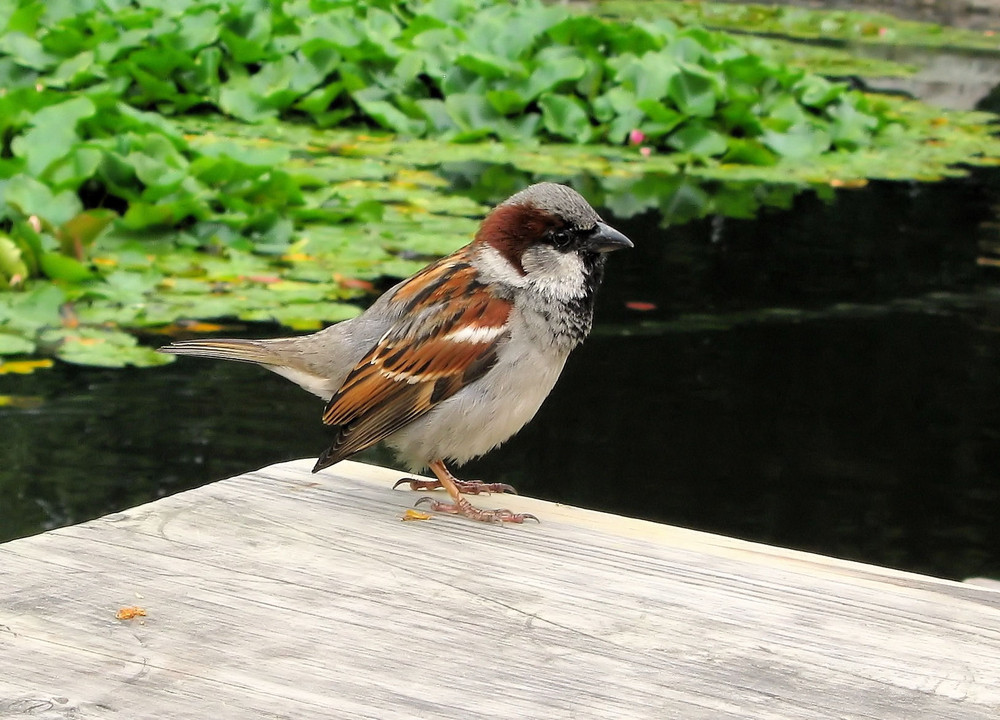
[{"x": 560, "y": 239}]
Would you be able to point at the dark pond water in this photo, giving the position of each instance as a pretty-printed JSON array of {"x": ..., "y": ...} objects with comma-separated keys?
[{"x": 825, "y": 377}]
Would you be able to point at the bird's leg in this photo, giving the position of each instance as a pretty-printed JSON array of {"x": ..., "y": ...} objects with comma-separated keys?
[
  {"x": 461, "y": 506},
  {"x": 466, "y": 487}
]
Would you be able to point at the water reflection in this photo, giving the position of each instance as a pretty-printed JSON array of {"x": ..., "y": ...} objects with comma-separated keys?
[
  {"x": 956, "y": 80},
  {"x": 825, "y": 376}
]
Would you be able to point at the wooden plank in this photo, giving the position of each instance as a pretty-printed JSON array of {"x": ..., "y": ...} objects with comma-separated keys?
[{"x": 285, "y": 594}]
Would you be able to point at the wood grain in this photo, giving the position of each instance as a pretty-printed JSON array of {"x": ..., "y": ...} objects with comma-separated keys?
[{"x": 282, "y": 594}]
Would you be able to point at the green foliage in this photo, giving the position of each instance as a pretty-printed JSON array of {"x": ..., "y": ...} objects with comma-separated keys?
[
  {"x": 93, "y": 149},
  {"x": 127, "y": 202},
  {"x": 822, "y": 59},
  {"x": 458, "y": 69},
  {"x": 849, "y": 26},
  {"x": 87, "y": 85}
]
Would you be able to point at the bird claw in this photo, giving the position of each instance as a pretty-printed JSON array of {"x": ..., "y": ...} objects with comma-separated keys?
[
  {"x": 417, "y": 484},
  {"x": 473, "y": 487},
  {"x": 467, "y": 487},
  {"x": 465, "y": 508}
]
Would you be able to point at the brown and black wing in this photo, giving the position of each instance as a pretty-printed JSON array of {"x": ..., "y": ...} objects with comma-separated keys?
[{"x": 447, "y": 337}]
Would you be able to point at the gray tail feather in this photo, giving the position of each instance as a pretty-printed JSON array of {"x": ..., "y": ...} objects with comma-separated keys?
[{"x": 251, "y": 351}]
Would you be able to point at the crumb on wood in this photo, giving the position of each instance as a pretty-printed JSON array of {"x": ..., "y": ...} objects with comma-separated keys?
[{"x": 132, "y": 611}]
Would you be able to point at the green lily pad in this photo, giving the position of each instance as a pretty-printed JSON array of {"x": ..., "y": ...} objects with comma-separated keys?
[
  {"x": 32, "y": 197},
  {"x": 15, "y": 344},
  {"x": 12, "y": 265},
  {"x": 29, "y": 311},
  {"x": 101, "y": 347},
  {"x": 61, "y": 267}
]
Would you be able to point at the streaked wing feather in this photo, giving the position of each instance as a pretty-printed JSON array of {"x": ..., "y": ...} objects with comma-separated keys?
[
  {"x": 447, "y": 337},
  {"x": 364, "y": 432}
]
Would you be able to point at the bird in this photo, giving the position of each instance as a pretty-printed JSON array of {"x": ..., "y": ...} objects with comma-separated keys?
[{"x": 451, "y": 362}]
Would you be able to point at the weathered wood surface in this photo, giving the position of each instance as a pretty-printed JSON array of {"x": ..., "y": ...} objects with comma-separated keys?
[{"x": 285, "y": 594}]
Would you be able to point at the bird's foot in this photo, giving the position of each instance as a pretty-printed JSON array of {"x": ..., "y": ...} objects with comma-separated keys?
[
  {"x": 466, "y": 509},
  {"x": 467, "y": 487}
]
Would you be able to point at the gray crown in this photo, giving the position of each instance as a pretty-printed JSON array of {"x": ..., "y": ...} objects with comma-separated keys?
[{"x": 559, "y": 200}]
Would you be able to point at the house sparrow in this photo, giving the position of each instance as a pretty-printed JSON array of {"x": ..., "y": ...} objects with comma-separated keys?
[{"x": 451, "y": 362}]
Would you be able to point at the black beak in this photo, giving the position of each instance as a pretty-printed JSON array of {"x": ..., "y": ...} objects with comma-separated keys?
[{"x": 606, "y": 238}]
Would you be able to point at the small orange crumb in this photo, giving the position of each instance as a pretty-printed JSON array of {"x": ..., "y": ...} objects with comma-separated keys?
[
  {"x": 412, "y": 514},
  {"x": 127, "y": 613}
]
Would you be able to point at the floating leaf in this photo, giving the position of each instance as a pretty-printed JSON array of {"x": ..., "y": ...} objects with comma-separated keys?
[
  {"x": 52, "y": 133},
  {"x": 23, "y": 367},
  {"x": 13, "y": 270},
  {"x": 26, "y": 51},
  {"x": 802, "y": 23},
  {"x": 102, "y": 347},
  {"x": 566, "y": 117},
  {"x": 801, "y": 140},
  {"x": 31, "y": 197},
  {"x": 693, "y": 89},
  {"x": 33, "y": 309},
  {"x": 698, "y": 139},
  {"x": 61, "y": 267},
  {"x": 22, "y": 402},
  {"x": 15, "y": 345},
  {"x": 81, "y": 231},
  {"x": 554, "y": 66}
]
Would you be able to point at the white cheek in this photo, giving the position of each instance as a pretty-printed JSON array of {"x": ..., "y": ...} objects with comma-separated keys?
[
  {"x": 553, "y": 273},
  {"x": 494, "y": 268}
]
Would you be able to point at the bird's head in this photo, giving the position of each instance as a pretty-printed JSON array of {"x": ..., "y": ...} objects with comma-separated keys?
[{"x": 551, "y": 237}]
